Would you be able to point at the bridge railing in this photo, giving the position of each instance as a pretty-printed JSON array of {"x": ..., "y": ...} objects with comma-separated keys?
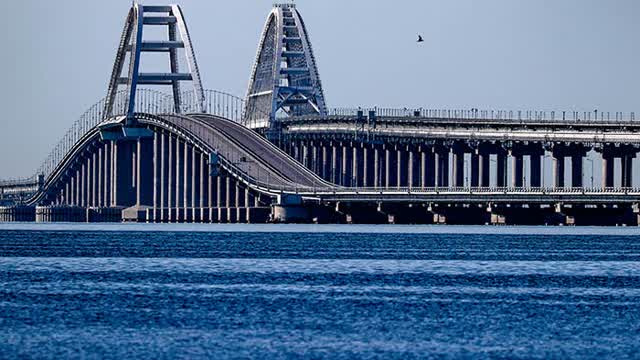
[
  {"x": 634, "y": 191},
  {"x": 490, "y": 115},
  {"x": 19, "y": 181},
  {"x": 147, "y": 101},
  {"x": 514, "y": 190}
]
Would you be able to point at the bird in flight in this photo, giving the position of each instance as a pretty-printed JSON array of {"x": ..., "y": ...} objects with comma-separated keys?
[{"x": 420, "y": 39}]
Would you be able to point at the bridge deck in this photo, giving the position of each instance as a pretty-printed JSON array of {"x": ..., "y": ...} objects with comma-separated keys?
[{"x": 265, "y": 152}]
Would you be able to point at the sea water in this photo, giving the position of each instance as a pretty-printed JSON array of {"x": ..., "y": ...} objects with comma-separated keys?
[{"x": 390, "y": 292}]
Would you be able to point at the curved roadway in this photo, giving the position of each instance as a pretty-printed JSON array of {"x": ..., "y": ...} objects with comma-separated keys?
[{"x": 265, "y": 152}]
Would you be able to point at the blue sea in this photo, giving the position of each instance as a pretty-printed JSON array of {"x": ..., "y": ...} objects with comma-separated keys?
[{"x": 338, "y": 292}]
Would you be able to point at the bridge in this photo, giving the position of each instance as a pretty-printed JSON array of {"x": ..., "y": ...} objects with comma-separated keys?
[{"x": 281, "y": 155}]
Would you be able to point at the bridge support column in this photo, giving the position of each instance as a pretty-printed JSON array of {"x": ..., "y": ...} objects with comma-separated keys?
[
  {"x": 423, "y": 167},
  {"x": 442, "y": 167},
  {"x": 138, "y": 162},
  {"x": 477, "y": 170},
  {"x": 145, "y": 173},
  {"x": 67, "y": 193},
  {"x": 177, "y": 181},
  {"x": 376, "y": 167},
  {"x": 427, "y": 167},
  {"x": 72, "y": 190},
  {"x": 518, "y": 173},
  {"x": 157, "y": 176},
  {"x": 211, "y": 194},
  {"x": 559, "y": 168},
  {"x": 511, "y": 159},
  {"x": 387, "y": 168},
  {"x": 229, "y": 192},
  {"x": 195, "y": 183},
  {"x": 217, "y": 199},
  {"x": 346, "y": 166},
  {"x": 627, "y": 170},
  {"x": 221, "y": 201},
  {"x": 204, "y": 175},
  {"x": 83, "y": 183},
  {"x": 401, "y": 167},
  {"x": 335, "y": 172},
  {"x": 414, "y": 162},
  {"x": 296, "y": 150},
  {"x": 323, "y": 161},
  {"x": 113, "y": 173},
  {"x": 437, "y": 169},
  {"x": 316, "y": 158},
  {"x": 89, "y": 181},
  {"x": 305, "y": 154},
  {"x": 171, "y": 176},
  {"x": 187, "y": 181},
  {"x": 164, "y": 175},
  {"x": 290, "y": 209},
  {"x": 92, "y": 180},
  {"x": 607, "y": 170},
  {"x": 536, "y": 170},
  {"x": 366, "y": 171},
  {"x": 485, "y": 167},
  {"x": 356, "y": 166},
  {"x": 501, "y": 168},
  {"x": 122, "y": 174},
  {"x": 97, "y": 162},
  {"x": 577, "y": 166},
  {"x": 86, "y": 181},
  {"x": 458, "y": 167},
  {"x": 229, "y": 195},
  {"x": 106, "y": 176},
  {"x": 79, "y": 187},
  {"x": 100, "y": 176},
  {"x": 194, "y": 187}
]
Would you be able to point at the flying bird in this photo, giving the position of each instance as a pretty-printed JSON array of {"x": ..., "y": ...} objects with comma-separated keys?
[{"x": 420, "y": 39}]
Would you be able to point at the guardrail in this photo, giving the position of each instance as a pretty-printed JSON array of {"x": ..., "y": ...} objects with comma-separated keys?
[
  {"x": 33, "y": 180},
  {"x": 596, "y": 117}
]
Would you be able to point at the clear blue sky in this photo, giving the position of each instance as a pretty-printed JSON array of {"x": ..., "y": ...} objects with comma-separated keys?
[{"x": 510, "y": 54}]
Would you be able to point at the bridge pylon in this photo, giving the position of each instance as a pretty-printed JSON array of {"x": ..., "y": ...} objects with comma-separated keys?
[
  {"x": 133, "y": 45},
  {"x": 285, "y": 79}
]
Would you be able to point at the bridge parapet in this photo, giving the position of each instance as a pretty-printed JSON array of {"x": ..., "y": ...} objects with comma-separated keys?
[{"x": 480, "y": 116}]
